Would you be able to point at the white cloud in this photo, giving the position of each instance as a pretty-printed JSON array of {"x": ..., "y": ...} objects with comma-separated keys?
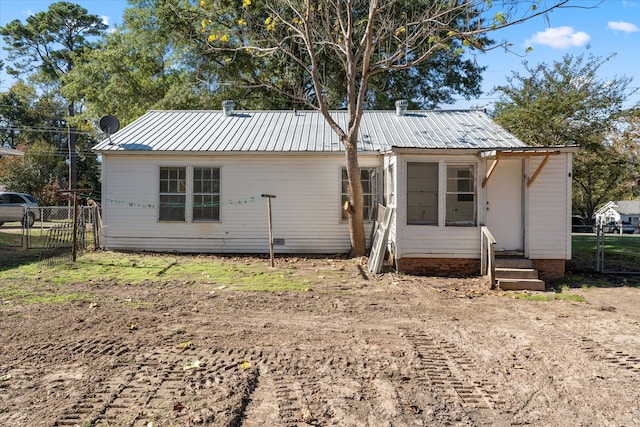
[
  {"x": 560, "y": 38},
  {"x": 105, "y": 19},
  {"x": 626, "y": 27}
]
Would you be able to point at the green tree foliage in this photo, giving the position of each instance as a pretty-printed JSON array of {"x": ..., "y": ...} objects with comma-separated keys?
[
  {"x": 35, "y": 173},
  {"x": 17, "y": 115},
  {"x": 48, "y": 41},
  {"x": 46, "y": 48},
  {"x": 27, "y": 116},
  {"x": 139, "y": 66},
  {"x": 349, "y": 54},
  {"x": 565, "y": 103}
]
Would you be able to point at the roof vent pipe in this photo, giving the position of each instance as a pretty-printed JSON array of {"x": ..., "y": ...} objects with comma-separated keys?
[
  {"x": 227, "y": 107},
  {"x": 401, "y": 107}
]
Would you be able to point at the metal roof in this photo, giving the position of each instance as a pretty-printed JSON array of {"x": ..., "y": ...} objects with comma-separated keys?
[
  {"x": 628, "y": 207},
  {"x": 305, "y": 131}
]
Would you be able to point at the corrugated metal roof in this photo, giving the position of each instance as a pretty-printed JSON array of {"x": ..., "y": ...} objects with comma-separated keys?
[{"x": 305, "y": 131}]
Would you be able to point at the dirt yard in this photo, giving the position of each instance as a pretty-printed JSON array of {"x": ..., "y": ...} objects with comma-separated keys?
[{"x": 391, "y": 350}]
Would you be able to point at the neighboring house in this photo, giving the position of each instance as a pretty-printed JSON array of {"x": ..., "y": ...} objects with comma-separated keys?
[
  {"x": 192, "y": 181},
  {"x": 623, "y": 211}
]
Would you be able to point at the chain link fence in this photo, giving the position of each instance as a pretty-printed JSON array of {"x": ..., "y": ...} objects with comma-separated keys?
[
  {"x": 617, "y": 250},
  {"x": 50, "y": 229}
]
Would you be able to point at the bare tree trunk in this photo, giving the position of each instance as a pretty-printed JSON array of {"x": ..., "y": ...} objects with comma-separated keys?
[{"x": 356, "y": 202}]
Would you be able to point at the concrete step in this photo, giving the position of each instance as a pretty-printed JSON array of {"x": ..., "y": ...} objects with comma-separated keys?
[
  {"x": 516, "y": 273},
  {"x": 513, "y": 263},
  {"x": 520, "y": 284}
]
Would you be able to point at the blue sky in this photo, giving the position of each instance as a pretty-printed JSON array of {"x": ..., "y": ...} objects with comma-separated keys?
[{"x": 602, "y": 27}]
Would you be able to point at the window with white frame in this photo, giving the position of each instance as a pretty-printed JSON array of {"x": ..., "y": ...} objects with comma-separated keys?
[
  {"x": 422, "y": 193},
  {"x": 206, "y": 194},
  {"x": 189, "y": 194},
  {"x": 370, "y": 182},
  {"x": 173, "y": 193},
  {"x": 461, "y": 195},
  {"x": 425, "y": 198}
]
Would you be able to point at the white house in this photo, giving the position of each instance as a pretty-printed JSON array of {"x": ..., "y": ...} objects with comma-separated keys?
[
  {"x": 622, "y": 211},
  {"x": 192, "y": 181}
]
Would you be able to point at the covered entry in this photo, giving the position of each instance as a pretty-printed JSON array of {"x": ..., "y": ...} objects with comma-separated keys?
[
  {"x": 505, "y": 205},
  {"x": 505, "y": 184}
]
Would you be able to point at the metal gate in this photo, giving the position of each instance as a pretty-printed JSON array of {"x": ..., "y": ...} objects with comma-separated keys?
[
  {"x": 617, "y": 252},
  {"x": 47, "y": 225}
]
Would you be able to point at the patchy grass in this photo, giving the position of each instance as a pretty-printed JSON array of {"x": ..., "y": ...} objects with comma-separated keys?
[
  {"x": 136, "y": 268},
  {"x": 15, "y": 237},
  {"x": 556, "y": 296},
  {"x": 42, "y": 295}
]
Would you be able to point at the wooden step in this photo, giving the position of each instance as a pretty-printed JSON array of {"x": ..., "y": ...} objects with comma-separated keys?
[
  {"x": 516, "y": 273},
  {"x": 520, "y": 284}
]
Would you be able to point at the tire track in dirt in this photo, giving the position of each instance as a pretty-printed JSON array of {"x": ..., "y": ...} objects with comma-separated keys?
[
  {"x": 454, "y": 377},
  {"x": 67, "y": 360},
  {"x": 334, "y": 388},
  {"x": 593, "y": 349},
  {"x": 206, "y": 387},
  {"x": 70, "y": 350},
  {"x": 618, "y": 358}
]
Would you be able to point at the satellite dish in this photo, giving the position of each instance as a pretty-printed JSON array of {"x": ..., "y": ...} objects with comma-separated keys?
[{"x": 109, "y": 125}]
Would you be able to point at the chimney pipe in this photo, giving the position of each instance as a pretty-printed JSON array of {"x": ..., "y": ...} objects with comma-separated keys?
[
  {"x": 227, "y": 107},
  {"x": 401, "y": 107}
]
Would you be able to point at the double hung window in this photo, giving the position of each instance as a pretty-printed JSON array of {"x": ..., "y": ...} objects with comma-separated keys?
[
  {"x": 461, "y": 195},
  {"x": 173, "y": 193},
  {"x": 369, "y": 177},
  {"x": 426, "y": 197},
  {"x": 189, "y": 194}
]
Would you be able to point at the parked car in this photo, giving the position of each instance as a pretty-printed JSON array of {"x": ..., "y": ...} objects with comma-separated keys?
[
  {"x": 627, "y": 228},
  {"x": 12, "y": 208},
  {"x": 615, "y": 227}
]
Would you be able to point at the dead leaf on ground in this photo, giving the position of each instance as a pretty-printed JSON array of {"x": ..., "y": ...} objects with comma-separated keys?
[
  {"x": 413, "y": 408},
  {"x": 195, "y": 364},
  {"x": 306, "y": 416},
  {"x": 186, "y": 345},
  {"x": 177, "y": 406}
]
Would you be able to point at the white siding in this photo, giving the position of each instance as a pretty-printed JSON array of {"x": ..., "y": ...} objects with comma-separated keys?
[
  {"x": 548, "y": 235},
  {"x": 547, "y": 212},
  {"x": 434, "y": 241},
  {"x": 306, "y": 211}
]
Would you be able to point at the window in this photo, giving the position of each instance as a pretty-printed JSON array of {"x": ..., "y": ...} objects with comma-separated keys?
[
  {"x": 369, "y": 179},
  {"x": 422, "y": 193},
  {"x": 461, "y": 200},
  {"x": 189, "y": 194},
  {"x": 172, "y": 194},
  {"x": 206, "y": 194}
]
